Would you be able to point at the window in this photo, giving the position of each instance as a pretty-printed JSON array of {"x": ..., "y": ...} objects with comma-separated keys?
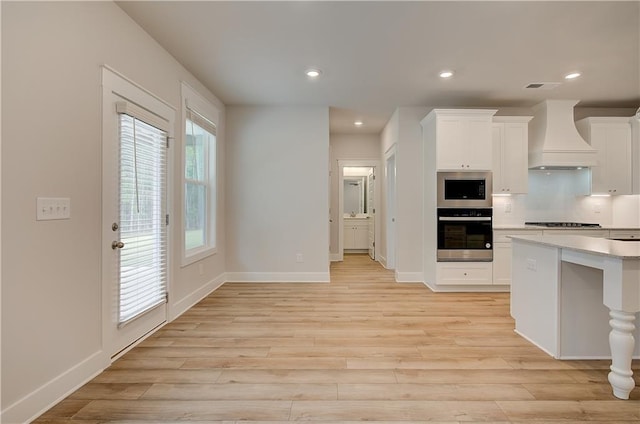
[
  {"x": 142, "y": 205},
  {"x": 199, "y": 188}
]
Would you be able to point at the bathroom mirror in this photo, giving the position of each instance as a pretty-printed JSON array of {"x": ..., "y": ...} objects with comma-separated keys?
[{"x": 355, "y": 195}]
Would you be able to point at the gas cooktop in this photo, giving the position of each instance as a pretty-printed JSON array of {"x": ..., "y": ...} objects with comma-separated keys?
[{"x": 562, "y": 224}]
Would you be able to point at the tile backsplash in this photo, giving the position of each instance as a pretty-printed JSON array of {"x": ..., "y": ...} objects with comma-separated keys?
[{"x": 561, "y": 195}]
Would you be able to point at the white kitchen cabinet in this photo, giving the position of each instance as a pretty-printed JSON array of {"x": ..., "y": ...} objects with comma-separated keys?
[
  {"x": 464, "y": 273},
  {"x": 356, "y": 233},
  {"x": 510, "y": 135},
  {"x": 635, "y": 152},
  {"x": 625, "y": 234},
  {"x": 463, "y": 139},
  {"x": 576, "y": 232},
  {"x": 502, "y": 253},
  {"x": 611, "y": 137}
]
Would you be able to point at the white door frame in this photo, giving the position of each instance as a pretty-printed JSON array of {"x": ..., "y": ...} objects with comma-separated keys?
[
  {"x": 390, "y": 210},
  {"x": 367, "y": 163},
  {"x": 116, "y": 86}
]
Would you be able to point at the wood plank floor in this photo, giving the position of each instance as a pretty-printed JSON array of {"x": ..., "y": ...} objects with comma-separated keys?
[{"x": 360, "y": 348}]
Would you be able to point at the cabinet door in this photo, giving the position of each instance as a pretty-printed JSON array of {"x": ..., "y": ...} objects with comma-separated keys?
[
  {"x": 612, "y": 175},
  {"x": 475, "y": 147},
  {"x": 618, "y": 161},
  {"x": 449, "y": 136},
  {"x": 502, "y": 263},
  {"x": 348, "y": 237},
  {"x": 515, "y": 153},
  {"x": 361, "y": 236},
  {"x": 497, "y": 136}
]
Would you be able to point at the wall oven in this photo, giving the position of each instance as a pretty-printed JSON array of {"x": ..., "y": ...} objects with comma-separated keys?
[
  {"x": 465, "y": 235},
  {"x": 464, "y": 189}
]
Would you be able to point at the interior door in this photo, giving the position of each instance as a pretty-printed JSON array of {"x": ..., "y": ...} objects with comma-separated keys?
[
  {"x": 135, "y": 245},
  {"x": 371, "y": 209}
]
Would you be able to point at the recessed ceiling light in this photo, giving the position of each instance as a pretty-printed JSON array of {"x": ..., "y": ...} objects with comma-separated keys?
[
  {"x": 572, "y": 75},
  {"x": 446, "y": 74},
  {"x": 313, "y": 73},
  {"x": 358, "y": 123}
]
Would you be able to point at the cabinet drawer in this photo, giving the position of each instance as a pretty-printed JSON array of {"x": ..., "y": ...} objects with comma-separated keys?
[
  {"x": 588, "y": 233},
  {"x": 624, "y": 234},
  {"x": 502, "y": 236},
  {"x": 457, "y": 273}
]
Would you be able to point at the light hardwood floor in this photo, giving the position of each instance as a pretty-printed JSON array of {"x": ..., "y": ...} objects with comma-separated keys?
[{"x": 360, "y": 348}]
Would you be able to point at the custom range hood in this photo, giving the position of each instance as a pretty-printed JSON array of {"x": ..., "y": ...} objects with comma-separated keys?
[{"x": 554, "y": 141}]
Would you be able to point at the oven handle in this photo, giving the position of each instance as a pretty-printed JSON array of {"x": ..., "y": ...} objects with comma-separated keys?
[{"x": 464, "y": 218}]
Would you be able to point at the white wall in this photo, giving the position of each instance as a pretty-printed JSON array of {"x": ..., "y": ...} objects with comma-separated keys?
[
  {"x": 388, "y": 143},
  {"x": 348, "y": 147},
  {"x": 403, "y": 131},
  {"x": 51, "y": 274},
  {"x": 409, "y": 194},
  {"x": 277, "y": 193}
]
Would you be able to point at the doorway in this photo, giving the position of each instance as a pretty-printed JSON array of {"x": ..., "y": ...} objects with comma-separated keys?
[
  {"x": 358, "y": 220},
  {"x": 390, "y": 221},
  {"x": 136, "y": 126}
]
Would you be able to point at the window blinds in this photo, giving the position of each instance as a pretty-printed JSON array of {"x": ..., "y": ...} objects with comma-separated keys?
[
  {"x": 200, "y": 120},
  {"x": 142, "y": 205}
]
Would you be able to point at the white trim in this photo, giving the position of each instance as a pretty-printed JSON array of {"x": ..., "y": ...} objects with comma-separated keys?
[
  {"x": 197, "y": 103},
  {"x": 55, "y": 390},
  {"x": 335, "y": 257},
  {"x": 368, "y": 163},
  {"x": 183, "y": 305},
  {"x": 390, "y": 198},
  {"x": 278, "y": 277},
  {"x": 468, "y": 288},
  {"x": 114, "y": 79},
  {"x": 409, "y": 277},
  {"x": 116, "y": 87}
]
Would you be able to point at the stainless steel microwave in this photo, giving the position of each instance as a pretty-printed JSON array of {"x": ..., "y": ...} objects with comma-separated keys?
[{"x": 464, "y": 189}]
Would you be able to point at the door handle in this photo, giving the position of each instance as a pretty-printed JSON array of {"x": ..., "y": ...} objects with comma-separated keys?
[{"x": 117, "y": 245}]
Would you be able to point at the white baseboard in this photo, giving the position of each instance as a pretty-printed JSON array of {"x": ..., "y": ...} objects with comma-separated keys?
[
  {"x": 278, "y": 277},
  {"x": 184, "y": 304},
  {"x": 335, "y": 257},
  {"x": 52, "y": 392},
  {"x": 409, "y": 277},
  {"x": 468, "y": 288},
  {"x": 383, "y": 261}
]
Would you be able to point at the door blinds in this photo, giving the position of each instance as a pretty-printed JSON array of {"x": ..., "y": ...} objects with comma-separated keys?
[{"x": 142, "y": 206}]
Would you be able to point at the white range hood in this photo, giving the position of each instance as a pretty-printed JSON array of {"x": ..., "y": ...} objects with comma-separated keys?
[{"x": 554, "y": 141}]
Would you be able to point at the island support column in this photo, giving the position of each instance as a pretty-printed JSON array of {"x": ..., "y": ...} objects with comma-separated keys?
[
  {"x": 622, "y": 342},
  {"x": 621, "y": 293}
]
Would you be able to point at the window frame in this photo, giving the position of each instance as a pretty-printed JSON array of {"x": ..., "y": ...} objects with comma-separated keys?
[{"x": 193, "y": 101}]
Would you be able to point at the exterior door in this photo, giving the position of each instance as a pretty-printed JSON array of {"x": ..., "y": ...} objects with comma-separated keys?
[
  {"x": 135, "y": 246},
  {"x": 371, "y": 209}
]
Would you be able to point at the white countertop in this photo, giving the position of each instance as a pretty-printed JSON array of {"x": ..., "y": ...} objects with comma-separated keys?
[
  {"x": 539, "y": 227},
  {"x": 598, "y": 246}
]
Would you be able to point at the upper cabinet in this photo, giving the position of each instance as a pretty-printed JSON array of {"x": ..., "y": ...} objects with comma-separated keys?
[
  {"x": 611, "y": 137},
  {"x": 635, "y": 149},
  {"x": 510, "y": 154},
  {"x": 462, "y": 138}
]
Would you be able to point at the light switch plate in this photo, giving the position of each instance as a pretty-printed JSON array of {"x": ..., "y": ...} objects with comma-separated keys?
[{"x": 50, "y": 208}]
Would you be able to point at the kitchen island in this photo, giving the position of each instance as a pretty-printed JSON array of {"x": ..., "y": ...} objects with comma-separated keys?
[{"x": 577, "y": 297}]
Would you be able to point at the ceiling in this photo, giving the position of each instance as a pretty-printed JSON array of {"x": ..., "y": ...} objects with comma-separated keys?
[{"x": 376, "y": 56}]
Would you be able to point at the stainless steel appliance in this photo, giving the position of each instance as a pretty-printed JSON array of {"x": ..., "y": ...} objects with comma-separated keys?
[
  {"x": 465, "y": 235},
  {"x": 464, "y": 189},
  {"x": 563, "y": 224}
]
